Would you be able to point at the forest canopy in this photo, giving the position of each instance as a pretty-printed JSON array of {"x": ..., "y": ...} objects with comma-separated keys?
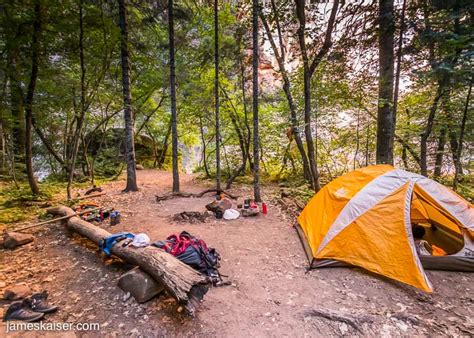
[{"x": 89, "y": 88}]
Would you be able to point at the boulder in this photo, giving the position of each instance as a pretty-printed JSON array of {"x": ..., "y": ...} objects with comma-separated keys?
[
  {"x": 140, "y": 285},
  {"x": 18, "y": 291},
  {"x": 13, "y": 239},
  {"x": 139, "y": 167}
]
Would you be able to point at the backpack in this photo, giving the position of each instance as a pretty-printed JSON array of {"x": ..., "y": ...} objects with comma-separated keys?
[{"x": 193, "y": 252}]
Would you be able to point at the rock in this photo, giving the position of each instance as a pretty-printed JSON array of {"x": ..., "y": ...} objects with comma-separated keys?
[
  {"x": 140, "y": 285},
  {"x": 225, "y": 204},
  {"x": 250, "y": 212},
  {"x": 18, "y": 291},
  {"x": 13, "y": 239},
  {"x": 140, "y": 167},
  {"x": 343, "y": 328}
]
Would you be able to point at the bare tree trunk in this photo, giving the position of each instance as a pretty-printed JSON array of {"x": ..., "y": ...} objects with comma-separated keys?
[
  {"x": 280, "y": 56},
  {"x": 127, "y": 102},
  {"x": 174, "y": 121},
  {"x": 427, "y": 132},
  {"x": 82, "y": 113},
  {"x": 367, "y": 141},
  {"x": 440, "y": 153},
  {"x": 308, "y": 71},
  {"x": 248, "y": 133},
  {"x": 385, "y": 111},
  {"x": 164, "y": 150},
  {"x": 240, "y": 136},
  {"x": 458, "y": 163},
  {"x": 357, "y": 139},
  {"x": 29, "y": 100},
  {"x": 300, "y": 9},
  {"x": 204, "y": 147},
  {"x": 399, "y": 59},
  {"x": 216, "y": 95},
  {"x": 256, "y": 147},
  {"x": 17, "y": 109}
]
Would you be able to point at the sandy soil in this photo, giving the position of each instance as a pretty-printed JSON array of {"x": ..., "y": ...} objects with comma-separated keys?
[{"x": 272, "y": 292}]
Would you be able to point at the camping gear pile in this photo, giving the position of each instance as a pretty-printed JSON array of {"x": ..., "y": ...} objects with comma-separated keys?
[
  {"x": 222, "y": 208},
  {"x": 364, "y": 218},
  {"x": 193, "y": 252},
  {"x": 187, "y": 248},
  {"x": 97, "y": 213}
]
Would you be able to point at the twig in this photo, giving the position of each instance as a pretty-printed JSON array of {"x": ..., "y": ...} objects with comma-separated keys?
[{"x": 55, "y": 220}]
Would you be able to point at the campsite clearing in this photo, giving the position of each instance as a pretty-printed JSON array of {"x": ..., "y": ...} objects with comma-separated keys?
[{"x": 272, "y": 293}]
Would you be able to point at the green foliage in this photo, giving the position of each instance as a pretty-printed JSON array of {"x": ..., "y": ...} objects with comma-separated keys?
[{"x": 437, "y": 45}]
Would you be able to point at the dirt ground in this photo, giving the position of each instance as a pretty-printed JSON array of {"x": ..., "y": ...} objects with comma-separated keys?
[{"x": 272, "y": 293}]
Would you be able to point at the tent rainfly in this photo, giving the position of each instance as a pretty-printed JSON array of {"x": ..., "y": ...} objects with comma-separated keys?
[{"x": 364, "y": 218}]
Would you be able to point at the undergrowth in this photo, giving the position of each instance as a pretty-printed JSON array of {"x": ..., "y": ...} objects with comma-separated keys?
[{"x": 18, "y": 204}]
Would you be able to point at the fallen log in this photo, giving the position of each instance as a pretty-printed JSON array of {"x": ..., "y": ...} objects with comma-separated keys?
[
  {"x": 172, "y": 195},
  {"x": 184, "y": 284}
]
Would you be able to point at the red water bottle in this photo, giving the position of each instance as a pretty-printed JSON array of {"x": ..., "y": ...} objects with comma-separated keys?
[{"x": 264, "y": 208}]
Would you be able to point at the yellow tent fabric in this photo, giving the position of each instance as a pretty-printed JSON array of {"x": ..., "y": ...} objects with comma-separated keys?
[
  {"x": 375, "y": 248},
  {"x": 330, "y": 200},
  {"x": 364, "y": 219}
]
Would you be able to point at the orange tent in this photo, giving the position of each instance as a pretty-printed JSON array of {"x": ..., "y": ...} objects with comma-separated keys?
[{"x": 364, "y": 218}]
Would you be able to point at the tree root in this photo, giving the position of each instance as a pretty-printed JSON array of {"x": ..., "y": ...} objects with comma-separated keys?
[
  {"x": 172, "y": 195},
  {"x": 354, "y": 321}
]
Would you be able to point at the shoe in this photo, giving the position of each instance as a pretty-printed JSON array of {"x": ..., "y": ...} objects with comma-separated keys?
[
  {"x": 20, "y": 311},
  {"x": 38, "y": 303}
]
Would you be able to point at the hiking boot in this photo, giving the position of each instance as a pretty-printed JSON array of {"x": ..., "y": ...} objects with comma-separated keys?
[
  {"x": 38, "y": 303},
  {"x": 20, "y": 311}
]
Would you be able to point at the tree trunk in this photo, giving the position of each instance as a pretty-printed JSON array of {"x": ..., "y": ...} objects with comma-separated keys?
[
  {"x": 308, "y": 71},
  {"x": 174, "y": 120},
  {"x": 29, "y": 100},
  {"x": 300, "y": 9},
  {"x": 399, "y": 60},
  {"x": 248, "y": 133},
  {"x": 240, "y": 135},
  {"x": 216, "y": 95},
  {"x": 82, "y": 113},
  {"x": 289, "y": 96},
  {"x": 184, "y": 284},
  {"x": 367, "y": 143},
  {"x": 440, "y": 153},
  {"x": 17, "y": 109},
  {"x": 357, "y": 140},
  {"x": 127, "y": 101},
  {"x": 458, "y": 163},
  {"x": 256, "y": 146},
  {"x": 204, "y": 148},
  {"x": 385, "y": 112},
  {"x": 427, "y": 132},
  {"x": 164, "y": 150}
]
